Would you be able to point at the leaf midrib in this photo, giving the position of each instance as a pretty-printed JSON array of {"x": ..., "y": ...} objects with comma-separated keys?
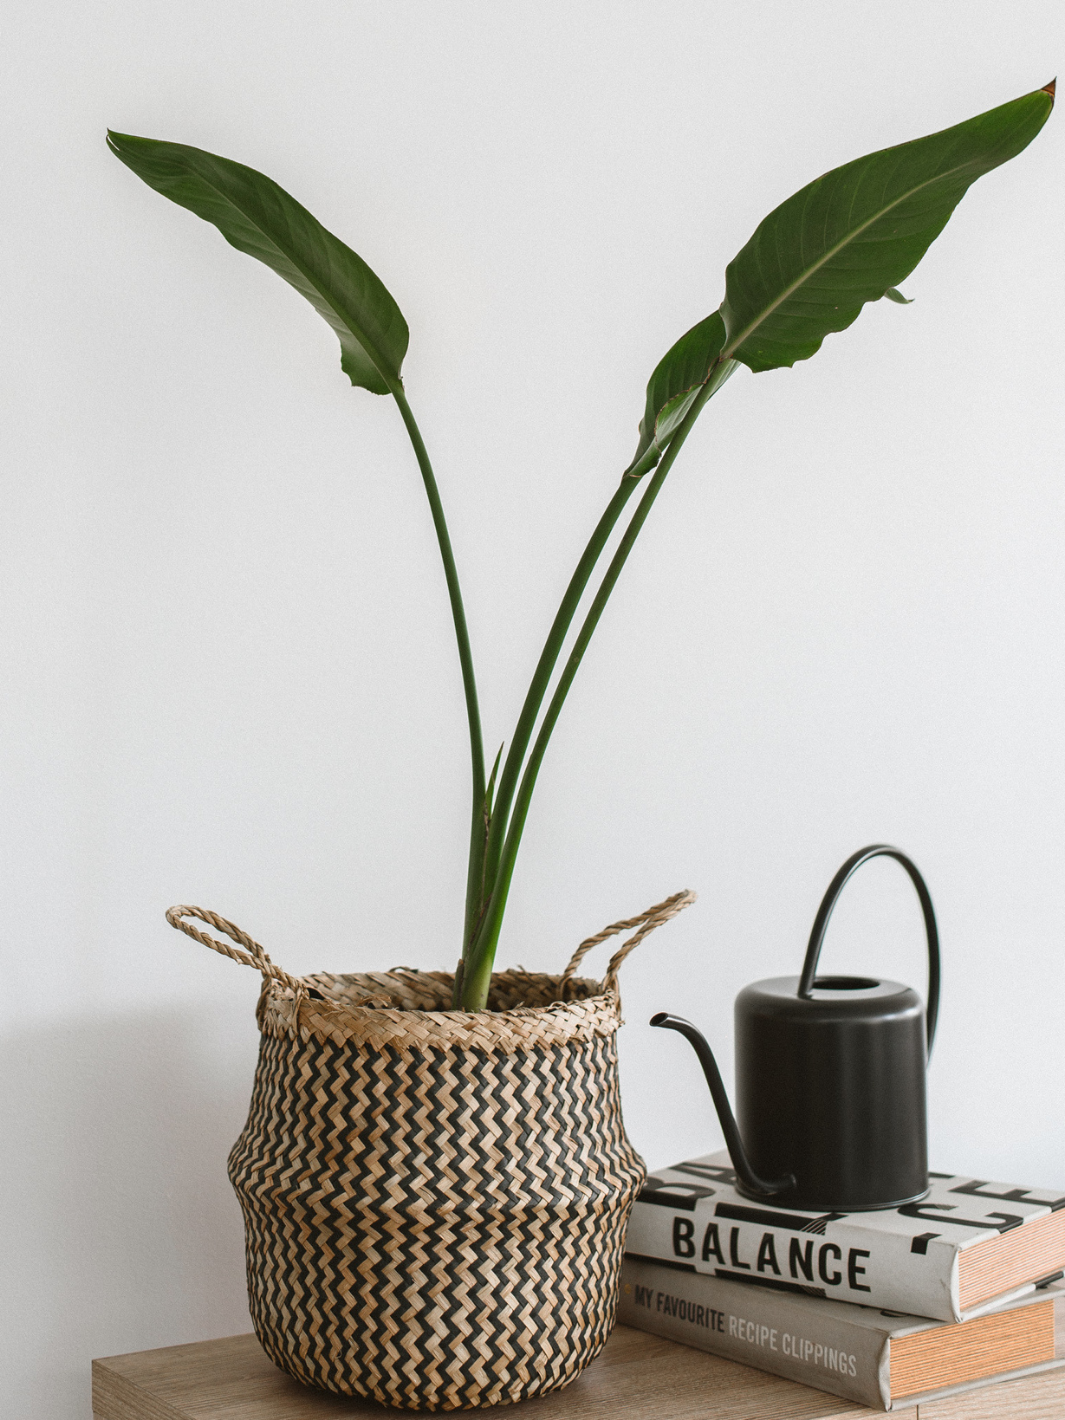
[
  {"x": 731, "y": 347},
  {"x": 356, "y": 330}
]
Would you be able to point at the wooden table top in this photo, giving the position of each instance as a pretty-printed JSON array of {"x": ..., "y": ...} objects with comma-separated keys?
[{"x": 638, "y": 1376}]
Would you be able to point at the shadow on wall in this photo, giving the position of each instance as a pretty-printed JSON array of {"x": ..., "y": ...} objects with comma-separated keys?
[{"x": 115, "y": 1197}]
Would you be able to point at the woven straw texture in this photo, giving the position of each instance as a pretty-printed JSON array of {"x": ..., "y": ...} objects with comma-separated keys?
[{"x": 434, "y": 1201}]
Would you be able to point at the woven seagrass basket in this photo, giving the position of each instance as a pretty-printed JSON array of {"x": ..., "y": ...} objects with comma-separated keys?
[{"x": 434, "y": 1201}]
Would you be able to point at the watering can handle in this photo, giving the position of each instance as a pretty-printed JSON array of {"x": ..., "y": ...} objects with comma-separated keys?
[{"x": 824, "y": 912}]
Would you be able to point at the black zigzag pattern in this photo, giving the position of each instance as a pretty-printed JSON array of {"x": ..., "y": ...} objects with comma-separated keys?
[{"x": 434, "y": 1230}]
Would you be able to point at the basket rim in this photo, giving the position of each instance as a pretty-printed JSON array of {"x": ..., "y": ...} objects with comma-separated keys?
[
  {"x": 575, "y": 988},
  {"x": 592, "y": 1012}
]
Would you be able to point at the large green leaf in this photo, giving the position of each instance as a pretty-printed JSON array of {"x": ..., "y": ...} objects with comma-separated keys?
[
  {"x": 260, "y": 218},
  {"x": 857, "y": 232}
]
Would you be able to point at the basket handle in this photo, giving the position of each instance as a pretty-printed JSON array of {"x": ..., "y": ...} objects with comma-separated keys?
[
  {"x": 252, "y": 955},
  {"x": 256, "y": 956},
  {"x": 646, "y": 923}
]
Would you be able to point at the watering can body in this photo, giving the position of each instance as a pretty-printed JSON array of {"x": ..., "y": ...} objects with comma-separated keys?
[
  {"x": 831, "y": 1090},
  {"x": 830, "y": 1078}
]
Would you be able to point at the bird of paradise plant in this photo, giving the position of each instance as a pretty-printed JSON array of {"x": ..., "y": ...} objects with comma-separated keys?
[{"x": 847, "y": 238}]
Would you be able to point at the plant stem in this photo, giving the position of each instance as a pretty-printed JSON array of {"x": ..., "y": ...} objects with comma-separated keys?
[
  {"x": 478, "y": 962},
  {"x": 469, "y": 682},
  {"x": 556, "y": 637}
]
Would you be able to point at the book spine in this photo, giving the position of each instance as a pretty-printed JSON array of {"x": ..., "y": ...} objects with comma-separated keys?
[
  {"x": 758, "y": 1327},
  {"x": 839, "y": 1259}
]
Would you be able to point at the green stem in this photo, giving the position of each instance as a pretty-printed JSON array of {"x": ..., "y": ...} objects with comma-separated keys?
[
  {"x": 556, "y": 637},
  {"x": 479, "y": 962},
  {"x": 469, "y": 682}
]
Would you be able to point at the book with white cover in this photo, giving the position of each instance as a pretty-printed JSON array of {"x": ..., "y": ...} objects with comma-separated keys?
[
  {"x": 969, "y": 1244},
  {"x": 878, "y": 1358}
]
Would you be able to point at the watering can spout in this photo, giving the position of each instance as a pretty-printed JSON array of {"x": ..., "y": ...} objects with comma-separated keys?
[{"x": 752, "y": 1184}]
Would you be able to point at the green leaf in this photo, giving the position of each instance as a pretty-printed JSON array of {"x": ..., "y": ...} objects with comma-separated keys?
[
  {"x": 260, "y": 218},
  {"x": 857, "y": 232},
  {"x": 898, "y": 297},
  {"x": 671, "y": 390}
]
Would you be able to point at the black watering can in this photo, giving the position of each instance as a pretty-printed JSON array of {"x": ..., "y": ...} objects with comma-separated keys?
[{"x": 830, "y": 1077}]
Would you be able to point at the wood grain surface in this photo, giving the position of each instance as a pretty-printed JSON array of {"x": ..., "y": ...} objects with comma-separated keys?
[
  {"x": 1039, "y": 1397},
  {"x": 639, "y": 1376}
]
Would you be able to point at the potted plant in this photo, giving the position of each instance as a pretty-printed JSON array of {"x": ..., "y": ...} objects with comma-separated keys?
[{"x": 434, "y": 1175}]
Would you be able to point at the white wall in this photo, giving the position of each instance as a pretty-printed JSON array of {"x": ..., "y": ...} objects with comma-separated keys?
[{"x": 228, "y": 677}]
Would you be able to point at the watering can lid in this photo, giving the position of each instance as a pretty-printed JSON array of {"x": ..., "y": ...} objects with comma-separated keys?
[{"x": 835, "y": 998}]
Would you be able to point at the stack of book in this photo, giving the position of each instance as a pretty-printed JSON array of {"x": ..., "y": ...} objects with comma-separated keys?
[{"x": 888, "y": 1308}]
